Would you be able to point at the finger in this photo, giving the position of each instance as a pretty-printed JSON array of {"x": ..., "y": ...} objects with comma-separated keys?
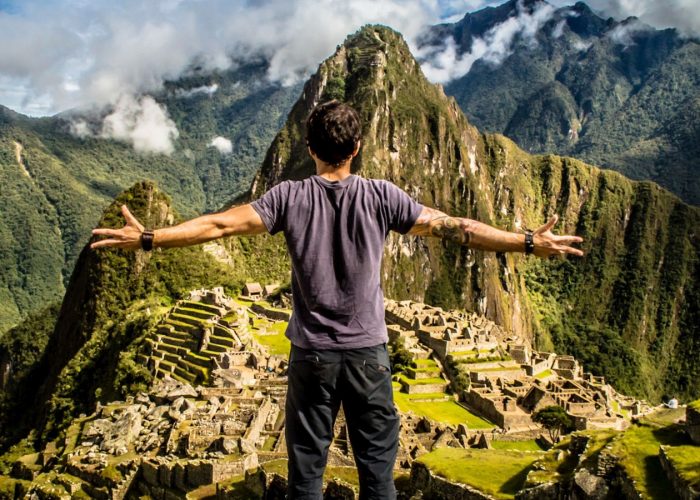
[
  {"x": 573, "y": 251},
  {"x": 568, "y": 239},
  {"x": 105, "y": 243},
  {"x": 548, "y": 226},
  {"x": 130, "y": 219},
  {"x": 106, "y": 232}
]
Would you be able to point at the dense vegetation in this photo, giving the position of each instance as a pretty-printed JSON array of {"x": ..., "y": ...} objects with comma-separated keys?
[
  {"x": 615, "y": 94},
  {"x": 54, "y": 185}
]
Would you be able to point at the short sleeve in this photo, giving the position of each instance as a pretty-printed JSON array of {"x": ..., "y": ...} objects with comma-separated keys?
[
  {"x": 272, "y": 207},
  {"x": 401, "y": 210}
]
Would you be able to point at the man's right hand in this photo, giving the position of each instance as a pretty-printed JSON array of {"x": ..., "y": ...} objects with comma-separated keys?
[{"x": 128, "y": 237}]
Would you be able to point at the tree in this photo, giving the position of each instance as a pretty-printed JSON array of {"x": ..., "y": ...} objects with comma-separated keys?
[
  {"x": 554, "y": 419},
  {"x": 400, "y": 357}
]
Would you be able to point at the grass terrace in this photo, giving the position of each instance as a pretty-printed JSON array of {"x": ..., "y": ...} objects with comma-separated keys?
[
  {"x": 500, "y": 473},
  {"x": 447, "y": 412},
  {"x": 686, "y": 461},
  {"x": 529, "y": 445},
  {"x": 638, "y": 448},
  {"x": 277, "y": 343},
  {"x": 422, "y": 381},
  {"x": 544, "y": 374}
]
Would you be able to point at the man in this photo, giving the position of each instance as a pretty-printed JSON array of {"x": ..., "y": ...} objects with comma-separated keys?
[{"x": 335, "y": 225}]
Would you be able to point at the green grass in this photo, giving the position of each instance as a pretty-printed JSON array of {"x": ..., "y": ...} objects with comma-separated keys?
[
  {"x": 638, "y": 449},
  {"x": 472, "y": 352},
  {"x": 544, "y": 374},
  {"x": 427, "y": 395},
  {"x": 500, "y": 473},
  {"x": 447, "y": 412},
  {"x": 269, "y": 443},
  {"x": 695, "y": 405},
  {"x": 530, "y": 445},
  {"x": 422, "y": 363},
  {"x": 495, "y": 369},
  {"x": 423, "y": 381},
  {"x": 617, "y": 408},
  {"x": 277, "y": 342},
  {"x": 686, "y": 460}
]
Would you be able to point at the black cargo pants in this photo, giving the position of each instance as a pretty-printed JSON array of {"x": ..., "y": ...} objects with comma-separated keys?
[{"x": 319, "y": 380}]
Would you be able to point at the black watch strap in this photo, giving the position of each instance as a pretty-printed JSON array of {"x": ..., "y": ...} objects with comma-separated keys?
[
  {"x": 529, "y": 242},
  {"x": 147, "y": 240}
]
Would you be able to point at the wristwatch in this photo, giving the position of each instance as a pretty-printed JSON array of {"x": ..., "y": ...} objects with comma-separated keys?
[
  {"x": 529, "y": 242},
  {"x": 147, "y": 240}
]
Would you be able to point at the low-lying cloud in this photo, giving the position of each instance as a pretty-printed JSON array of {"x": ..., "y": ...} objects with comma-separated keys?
[
  {"x": 140, "y": 122},
  {"x": 683, "y": 15},
  {"x": 444, "y": 63},
  {"x": 221, "y": 144}
]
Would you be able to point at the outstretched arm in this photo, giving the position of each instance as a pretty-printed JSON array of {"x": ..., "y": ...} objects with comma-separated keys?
[
  {"x": 475, "y": 234},
  {"x": 236, "y": 221}
]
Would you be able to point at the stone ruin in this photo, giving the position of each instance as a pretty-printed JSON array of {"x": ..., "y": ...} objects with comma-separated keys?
[
  {"x": 508, "y": 381},
  {"x": 216, "y": 410}
]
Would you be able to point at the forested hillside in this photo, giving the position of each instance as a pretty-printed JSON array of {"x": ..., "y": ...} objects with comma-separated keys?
[{"x": 621, "y": 95}]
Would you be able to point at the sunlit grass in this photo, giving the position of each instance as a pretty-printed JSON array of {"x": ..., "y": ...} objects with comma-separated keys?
[{"x": 500, "y": 473}]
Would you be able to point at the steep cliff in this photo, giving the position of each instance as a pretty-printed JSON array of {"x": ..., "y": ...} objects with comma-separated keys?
[{"x": 627, "y": 309}]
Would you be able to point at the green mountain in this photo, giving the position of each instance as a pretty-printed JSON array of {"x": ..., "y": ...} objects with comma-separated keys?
[
  {"x": 63, "y": 361},
  {"x": 54, "y": 185},
  {"x": 617, "y": 94},
  {"x": 628, "y": 309}
]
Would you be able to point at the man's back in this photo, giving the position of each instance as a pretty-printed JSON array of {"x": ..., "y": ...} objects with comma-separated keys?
[{"x": 335, "y": 233}]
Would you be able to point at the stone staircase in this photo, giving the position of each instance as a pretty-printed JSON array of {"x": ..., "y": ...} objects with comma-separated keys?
[{"x": 185, "y": 344}]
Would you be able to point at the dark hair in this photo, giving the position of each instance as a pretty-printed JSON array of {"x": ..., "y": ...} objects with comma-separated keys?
[{"x": 333, "y": 131}]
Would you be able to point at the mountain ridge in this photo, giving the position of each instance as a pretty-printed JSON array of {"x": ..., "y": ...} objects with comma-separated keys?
[
  {"x": 418, "y": 138},
  {"x": 604, "y": 91}
]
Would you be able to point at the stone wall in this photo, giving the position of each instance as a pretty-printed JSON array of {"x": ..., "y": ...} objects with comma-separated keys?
[
  {"x": 692, "y": 422},
  {"x": 421, "y": 388},
  {"x": 484, "y": 407},
  {"x": 680, "y": 485},
  {"x": 159, "y": 475},
  {"x": 256, "y": 426},
  {"x": 273, "y": 314}
]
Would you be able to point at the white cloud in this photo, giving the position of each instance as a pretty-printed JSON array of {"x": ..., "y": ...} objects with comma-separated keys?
[
  {"x": 204, "y": 89},
  {"x": 142, "y": 123},
  {"x": 681, "y": 14},
  {"x": 581, "y": 46},
  {"x": 622, "y": 33},
  {"x": 558, "y": 30},
  {"x": 442, "y": 64},
  {"x": 222, "y": 144},
  {"x": 91, "y": 53}
]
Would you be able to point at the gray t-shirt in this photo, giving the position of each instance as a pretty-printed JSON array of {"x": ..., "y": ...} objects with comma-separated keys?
[{"x": 335, "y": 234}]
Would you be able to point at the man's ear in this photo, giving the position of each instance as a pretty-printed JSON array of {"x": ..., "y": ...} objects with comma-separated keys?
[{"x": 357, "y": 149}]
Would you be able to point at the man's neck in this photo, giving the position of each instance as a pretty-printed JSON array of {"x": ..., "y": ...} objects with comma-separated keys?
[{"x": 332, "y": 173}]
